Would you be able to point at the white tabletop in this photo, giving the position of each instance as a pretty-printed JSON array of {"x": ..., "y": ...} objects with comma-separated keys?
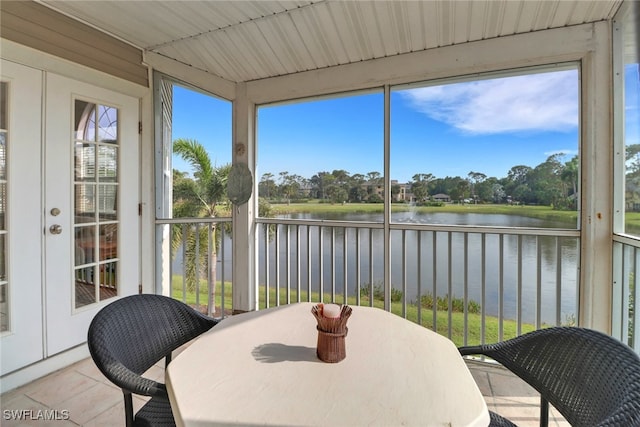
[{"x": 261, "y": 368}]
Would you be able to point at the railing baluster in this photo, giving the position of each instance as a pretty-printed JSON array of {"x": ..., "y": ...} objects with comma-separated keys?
[
  {"x": 345, "y": 264},
  {"x": 419, "y": 274},
  {"x": 483, "y": 289},
  {"x": 277, "y": 265},
  {"x": 371, "y": 267},
  {"x": 500, "y": 293},
  {"x": 358, "y": 266},
  {"x": 184, "y": 260},
  {"x": 465, "y": 289},
  {"x": 332, "y": 259},
  {"x": 618, "y": 312},
  {"x": 197, "y": 261},
  {"x": 404, "y": 273},
  {"x": 538, "y": 282},
  {"x": 287, "y": 248},
  {"x": 309, "y": 263},
  {"x": 321, "y": 262},
  {"x": 210, "y": 281},
  {"x": 298, "y": 276},
  {"x": 450, "y": 284},
  {"x": 519, "y": 289},
  {"x": 221, "y": 258},
  {"x": 559, "y": 282},
  {"x": 434, "y": 284},
  {"x": 267, "y": 268}
]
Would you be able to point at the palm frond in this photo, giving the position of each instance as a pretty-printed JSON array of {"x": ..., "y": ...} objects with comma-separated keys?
[{"x": 196, "y": 155}]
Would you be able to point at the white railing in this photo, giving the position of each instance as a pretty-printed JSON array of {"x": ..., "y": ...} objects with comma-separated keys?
[
  {"x": 626, "y": 316},
  {"x": 199, "y": 265},
  {"x": 472, "y": 284}
]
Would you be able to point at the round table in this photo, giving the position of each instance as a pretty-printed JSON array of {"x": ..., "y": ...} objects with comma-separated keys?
[{"x": 261, "y": 368}]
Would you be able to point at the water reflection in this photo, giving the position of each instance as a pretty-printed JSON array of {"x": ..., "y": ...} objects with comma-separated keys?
[{"x": 515, "y": 271}]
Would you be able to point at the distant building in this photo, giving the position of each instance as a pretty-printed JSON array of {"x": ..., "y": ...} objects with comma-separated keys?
[
  {"x": 441, "y": 197},
  {"x": 404, "y": 193}
]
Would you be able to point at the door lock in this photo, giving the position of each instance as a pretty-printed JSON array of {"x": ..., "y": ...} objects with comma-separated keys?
[{"x": 55, "y": 229}]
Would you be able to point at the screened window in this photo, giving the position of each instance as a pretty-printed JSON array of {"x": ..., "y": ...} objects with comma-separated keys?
[
  {"x": 193, "y": 164},
  {"x": 494, "y": 151},
  {"x": 322, "y": 158},
  {"x": 201, "y": 154},
  {"x": 629, "y": 124}
]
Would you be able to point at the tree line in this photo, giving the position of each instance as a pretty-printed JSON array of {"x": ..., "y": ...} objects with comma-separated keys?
[{"x": 552, "y": 183}]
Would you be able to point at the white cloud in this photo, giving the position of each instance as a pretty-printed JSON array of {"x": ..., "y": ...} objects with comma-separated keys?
[{"x": 530, "y": 103}]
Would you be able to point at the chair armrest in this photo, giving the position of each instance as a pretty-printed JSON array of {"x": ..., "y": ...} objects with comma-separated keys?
[
  {"x": 134, "y": 383},
  {"x": 471, "y": 350}
]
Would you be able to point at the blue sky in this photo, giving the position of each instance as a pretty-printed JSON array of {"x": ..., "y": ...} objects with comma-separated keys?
[{"x": 485, "y": 126}]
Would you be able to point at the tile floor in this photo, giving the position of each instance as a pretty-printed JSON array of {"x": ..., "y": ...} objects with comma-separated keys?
[
  {"x": 89, "y": 399},
  {"x": 511, "y": 397}
]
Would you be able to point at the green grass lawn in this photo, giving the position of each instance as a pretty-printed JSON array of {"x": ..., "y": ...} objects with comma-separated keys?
[
  {"x": 474, "y": 321},
  {"x": 632, "y": 223},
  {"x": 632, "y": 219},
  {"x": 540, "y": 212}
]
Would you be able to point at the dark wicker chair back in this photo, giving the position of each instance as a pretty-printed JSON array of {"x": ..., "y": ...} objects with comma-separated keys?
[
  {"x": 133, "y": 333},
  {"x": 591, "y": 378}
]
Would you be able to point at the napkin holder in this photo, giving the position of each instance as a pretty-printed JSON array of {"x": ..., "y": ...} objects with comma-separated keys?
[{"x": 331, "y": 334}]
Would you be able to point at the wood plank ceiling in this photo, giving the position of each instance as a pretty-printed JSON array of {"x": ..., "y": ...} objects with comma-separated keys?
[{"x": 251, "y": 40}]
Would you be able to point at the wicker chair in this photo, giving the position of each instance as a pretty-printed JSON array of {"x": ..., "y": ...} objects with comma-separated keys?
[
  {"x": 591, "y": 378},
  {"x": 130, "y": 335}
]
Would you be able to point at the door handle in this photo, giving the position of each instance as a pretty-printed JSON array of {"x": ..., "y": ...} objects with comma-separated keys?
[{"x": 55, "y": 229}]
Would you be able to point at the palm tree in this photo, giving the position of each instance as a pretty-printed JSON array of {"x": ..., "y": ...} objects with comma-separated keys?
[{"x": 199, "y": 197}]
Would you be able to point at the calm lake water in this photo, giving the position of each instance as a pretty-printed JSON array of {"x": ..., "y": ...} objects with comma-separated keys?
[
  {"x": 434, "y": 262},
  {"x": 445, "y": 272}
]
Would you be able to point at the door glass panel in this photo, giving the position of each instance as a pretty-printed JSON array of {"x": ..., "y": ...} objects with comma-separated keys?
[
  {"x": 4, "y": 284},
  {"x": 108, "y": 241},
  {"x": 85, "y": 162},
  {"x": 108, "y": 163},
  {"x": 3, "y": 267},
  {"x": 85, "y": 121},
  {"x": 85, "y": 203},
  {"x": 3, "y": 198},
  {"x": 107, "y": 124},
  {"x": 107, "y": 202},
  {"x": 84, "y": 246},
  {"x": 3, "y": 104},
  {"x": 95, "y": 203}
]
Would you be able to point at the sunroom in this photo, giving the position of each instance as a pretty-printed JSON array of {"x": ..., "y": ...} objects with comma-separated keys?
[{"x": 323, "y": 104}]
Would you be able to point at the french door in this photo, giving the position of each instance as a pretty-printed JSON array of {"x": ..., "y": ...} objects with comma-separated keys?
[
  {"x": 72, "y": 223},
  {"x": 91, "y": 195},
  {"x": 21, "y": 313}
]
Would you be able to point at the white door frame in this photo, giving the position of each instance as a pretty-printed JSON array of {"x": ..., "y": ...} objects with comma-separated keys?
[{"x": 49, "y": 63}]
